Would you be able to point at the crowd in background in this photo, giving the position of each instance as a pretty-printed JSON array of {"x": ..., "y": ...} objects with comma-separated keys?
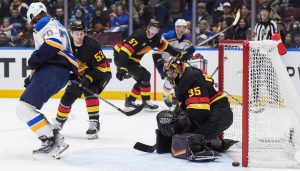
[{"x": 109, "y": 19}]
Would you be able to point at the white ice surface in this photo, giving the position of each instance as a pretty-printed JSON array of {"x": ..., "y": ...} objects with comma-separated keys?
[{"x": 112, "y": 151}]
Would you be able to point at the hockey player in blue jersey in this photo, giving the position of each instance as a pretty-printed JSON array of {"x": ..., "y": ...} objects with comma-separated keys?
[
  {"x": 51, "y": 63},
  {"x": 181, "y": 42}
]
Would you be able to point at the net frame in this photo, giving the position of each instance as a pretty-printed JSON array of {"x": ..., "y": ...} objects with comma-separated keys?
[{"x": 245, "y": 45}]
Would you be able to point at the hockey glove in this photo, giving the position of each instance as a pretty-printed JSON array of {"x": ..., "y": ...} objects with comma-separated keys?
[
  {"x": 85, "y": 81},
  {"x": 33, "y": 60},
  {"x": 189, "y": 52},
  {"x": 122, "y": 71},
  {"x": 183, "y": 56},
  {"x": 166, "y": 121},
  {"x": 27, "y": 81}
]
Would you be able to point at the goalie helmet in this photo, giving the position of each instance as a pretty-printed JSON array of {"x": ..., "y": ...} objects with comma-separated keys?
[
  {"x": 34, "y": 10},
  {"x": 173, "y": 68}
]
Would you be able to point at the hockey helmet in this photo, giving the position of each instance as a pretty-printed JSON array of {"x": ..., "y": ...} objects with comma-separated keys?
[
  {"x": 76, "y": 25},
  {"x": 173, "y": 68},
  {"x": 153, "y": 22},
  {"x": 35, "y": 9},
  {"x": 180, "y": 22}
]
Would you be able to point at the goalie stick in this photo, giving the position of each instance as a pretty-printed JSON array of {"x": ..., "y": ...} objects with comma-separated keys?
[
  {"x": 129, "y": 113},
  {"x": 144, "y": 147}
]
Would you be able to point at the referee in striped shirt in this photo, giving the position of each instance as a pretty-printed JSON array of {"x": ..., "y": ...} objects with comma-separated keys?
[
  {"x": 264, "y": 30},
  {"x": 266, "y": 27}
]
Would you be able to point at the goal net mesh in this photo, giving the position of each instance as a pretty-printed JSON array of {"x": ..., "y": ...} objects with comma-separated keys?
[{"x": 273, "y": 117}]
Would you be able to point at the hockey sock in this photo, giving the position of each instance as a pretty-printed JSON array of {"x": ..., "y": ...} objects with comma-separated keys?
[
  {"x": 135, "y": 92},
  {"x": 145, "y": 91},
  {"x": 63, "y": 113},
  {"x": 92, "y": 105}
]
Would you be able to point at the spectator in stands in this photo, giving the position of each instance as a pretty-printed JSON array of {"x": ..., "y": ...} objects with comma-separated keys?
[
  {"x": 297, "y": 39},
  {"x": 86, "y": 7},
  {"x": 4, "y": 10},
  {"x": 203, "y": 28},
  {"x": 246, "y": 13},
  {"x": 202, "y": 13},
  {"x": 288, "y": 40},
  {"x": 141, "y": 15},
  {"x": 226, "y": 10},
  {"x": 161, "y": 11},
  {"x": 4, "y": 41},
  {"x": 20, "y": 6},
  {"x": 100, "y": 20},
  {"x": 27, "y": 37},
  {"x": 7, "y": 28},
  {"x": 226, "y": 23},
  {"x": 200, "y": 39},
  {"x": 221, "y": 37},
  {"x": 80, "y": 15},
  {"x": 121, "y": 21},
  {"x": 59, "y": 15},
  {"x": 242, "y": 32},
  {"x": 17, "y": 20},
  {"x": 113, "y": 11},
  {"x": 100, "y": 4},
  {"x": 61, "y": 4}
]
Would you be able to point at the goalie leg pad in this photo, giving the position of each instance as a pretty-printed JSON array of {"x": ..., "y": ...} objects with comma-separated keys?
[
  {"x": 192, "y": 147},
  {"x": 163, "y": 143}
]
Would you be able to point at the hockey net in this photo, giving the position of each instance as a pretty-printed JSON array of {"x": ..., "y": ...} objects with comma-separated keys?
[{"x": 264, "y": 102}]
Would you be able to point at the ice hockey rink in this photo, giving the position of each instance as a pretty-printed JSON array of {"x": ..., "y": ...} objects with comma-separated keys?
[{"x": 112, "y": 151}]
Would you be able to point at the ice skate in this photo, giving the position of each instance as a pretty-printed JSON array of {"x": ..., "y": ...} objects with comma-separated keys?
[
  {"x": 51, "y": 146},
  {"x": 92, "y": 132},
  {"x": 57, "y": 125},
  {"x": 149, "y": 106},
  {"x": 168, "y": 100},
  {"x": 130, "y": 104}
]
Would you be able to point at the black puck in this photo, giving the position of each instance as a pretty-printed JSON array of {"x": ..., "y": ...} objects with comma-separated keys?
[{"x": 235, "y": 164}]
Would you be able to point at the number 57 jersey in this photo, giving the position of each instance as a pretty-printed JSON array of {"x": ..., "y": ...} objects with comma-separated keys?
[{"x": 50, "y": 32}]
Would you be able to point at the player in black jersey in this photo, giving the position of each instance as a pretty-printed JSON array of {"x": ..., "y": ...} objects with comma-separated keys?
[
  {"x": 94, "y": 73},
  {"x": 203, "y": 111},
  {"x": 127, "y": 55}
]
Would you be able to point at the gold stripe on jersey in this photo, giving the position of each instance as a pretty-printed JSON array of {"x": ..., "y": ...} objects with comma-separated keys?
[
  {"x": 199, "y": 106},
  {"x": 107, "y": 69},
  {"x": 123, "y": 48},
  {"x": 217, "y": 98},
  {"x": 54, "y": 44},
  {"x": 134, "y": 59}
]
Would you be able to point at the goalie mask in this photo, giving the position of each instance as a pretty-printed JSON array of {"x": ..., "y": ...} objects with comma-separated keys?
[{"x": 173, "y": 68}]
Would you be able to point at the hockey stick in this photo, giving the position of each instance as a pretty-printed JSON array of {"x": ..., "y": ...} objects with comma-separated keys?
[
  {"x": 144, "y": 147},
  {"x": 129, "y": 113}
]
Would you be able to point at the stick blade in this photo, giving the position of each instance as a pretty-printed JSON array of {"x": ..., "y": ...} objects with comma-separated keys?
[
  {"x": 145, "y": 148},
  {"x": 237, "y": 17},
  {"x": 134, "y": 111}
]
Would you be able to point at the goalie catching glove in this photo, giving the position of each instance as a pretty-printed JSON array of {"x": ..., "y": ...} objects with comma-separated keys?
[{"x": 169, "y": 123}]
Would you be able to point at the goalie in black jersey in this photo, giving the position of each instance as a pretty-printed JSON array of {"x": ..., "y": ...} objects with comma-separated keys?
[
  {"x": 94, "y": 73},
  {"x": 127, "y": 55},
  {"x": 203, "y": 110}
]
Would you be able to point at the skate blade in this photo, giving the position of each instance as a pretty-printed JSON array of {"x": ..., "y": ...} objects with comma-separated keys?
[
  {"x": 55, "y": 153},
  {"x": 92, "y": 137},
  {"x": 151, "y": 110}
]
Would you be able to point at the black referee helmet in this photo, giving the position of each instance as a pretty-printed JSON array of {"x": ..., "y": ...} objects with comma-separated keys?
[{"x": 265, "y": 6}]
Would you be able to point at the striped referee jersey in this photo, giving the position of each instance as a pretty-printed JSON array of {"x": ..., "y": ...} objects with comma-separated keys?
[{"x": 265, "y": 30}]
